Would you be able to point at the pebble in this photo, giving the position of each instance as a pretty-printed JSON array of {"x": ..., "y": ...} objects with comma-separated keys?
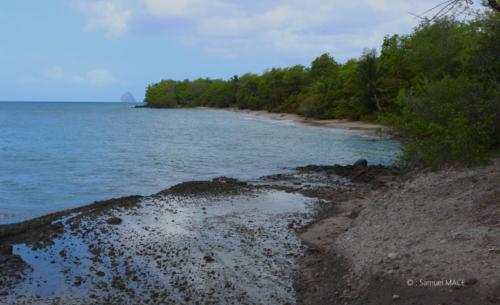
[
  {"x": 396, "y": 297},
  {"x": 114, "y": 221},
  {"x": 208, "y": 259}
]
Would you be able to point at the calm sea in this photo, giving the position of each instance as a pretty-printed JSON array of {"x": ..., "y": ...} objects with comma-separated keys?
[{"x": 55, "y": 156}]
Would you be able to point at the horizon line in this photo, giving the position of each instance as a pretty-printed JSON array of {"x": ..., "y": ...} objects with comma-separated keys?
[{"x": 63, "y": 101}]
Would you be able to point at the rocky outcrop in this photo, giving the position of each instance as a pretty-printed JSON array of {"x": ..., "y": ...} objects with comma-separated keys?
[
  {"x": 216, "y": 187},
  {"x": 360, "y": 171},
  {"x": 127, "y": 97}
]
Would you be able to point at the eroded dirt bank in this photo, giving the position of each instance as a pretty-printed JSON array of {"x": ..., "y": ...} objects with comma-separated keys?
[{"x": 433, "y": 239}]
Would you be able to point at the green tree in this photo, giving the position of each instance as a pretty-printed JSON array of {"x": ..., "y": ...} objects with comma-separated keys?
[
  {"x": 449, "y": 121},
  {"x": 367, "y": 84}
]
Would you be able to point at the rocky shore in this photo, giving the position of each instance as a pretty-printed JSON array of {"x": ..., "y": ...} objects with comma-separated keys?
[{"x": 356, "y": 234}]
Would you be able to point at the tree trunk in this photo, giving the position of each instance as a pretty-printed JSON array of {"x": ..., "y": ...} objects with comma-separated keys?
[{"x": 494, "y": 5}]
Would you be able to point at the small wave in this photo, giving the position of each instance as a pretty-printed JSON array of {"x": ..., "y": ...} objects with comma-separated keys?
[{"x": 269, "y": 120}]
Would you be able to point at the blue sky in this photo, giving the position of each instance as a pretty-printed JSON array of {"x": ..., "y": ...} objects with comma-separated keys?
[{"x": 95, "y": 50}]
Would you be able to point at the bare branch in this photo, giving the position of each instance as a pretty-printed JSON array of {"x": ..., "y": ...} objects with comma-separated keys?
[{"x": 455, "y": 8}]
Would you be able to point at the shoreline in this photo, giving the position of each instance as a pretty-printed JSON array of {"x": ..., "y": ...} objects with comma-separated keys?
[
  {"x": 369, "y": 127},
  {"x": 371, "y": 230},
  {"x": 218, "y": 186},
  {"x": 330, "y": 123},
  {"x": 61, "y": 239}
]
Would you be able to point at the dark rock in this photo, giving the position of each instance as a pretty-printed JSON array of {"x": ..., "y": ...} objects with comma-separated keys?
[
  {"x": 354, "y": 213},
  {"x": 216, "y": 187},
  {"x": 208, "y": 259},
  {"x": 359, "y": 173},
  {"x": 224, "y": 179},
  {"x": 78, "y": 281},
  {"x": 6, "y": 250},
  {"x": 95, "y": 250},
  {"x": 118, "y": 283},
  {"x": 57, "y": 227},
  {"x": 114, "y": 221},
  {"x": 11, "y": 265},
  {"x": 361, "y": 163}
]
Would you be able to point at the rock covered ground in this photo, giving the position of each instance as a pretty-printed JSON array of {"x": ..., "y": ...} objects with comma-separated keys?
[
  {"x": 169, "y": 249},
  {"x": 199, "y": 242}
]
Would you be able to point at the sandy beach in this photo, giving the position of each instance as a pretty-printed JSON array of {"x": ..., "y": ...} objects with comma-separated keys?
[{"x": 344, "y": 124}]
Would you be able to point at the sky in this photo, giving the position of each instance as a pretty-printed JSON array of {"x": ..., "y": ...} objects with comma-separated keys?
[{"x": 96, "y": 50}]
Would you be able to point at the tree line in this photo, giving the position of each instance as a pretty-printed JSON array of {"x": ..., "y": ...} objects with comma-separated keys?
[{"x": 439, "y": 86}]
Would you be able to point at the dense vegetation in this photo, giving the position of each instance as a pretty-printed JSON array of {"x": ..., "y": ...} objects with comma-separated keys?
[{"x": 440, "y": 86}]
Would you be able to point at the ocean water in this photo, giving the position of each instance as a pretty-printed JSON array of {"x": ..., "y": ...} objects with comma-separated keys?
[{"x": 55, "y": 156}]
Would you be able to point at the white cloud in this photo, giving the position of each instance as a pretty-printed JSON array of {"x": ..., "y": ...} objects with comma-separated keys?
[
  {"x": 190, "y": 9},
  {"x": 293, "y": 27},
  {"x": 179, "y": 8},
  {"x": 300, "y": 28},
  {"x": 110, "y": 15}
]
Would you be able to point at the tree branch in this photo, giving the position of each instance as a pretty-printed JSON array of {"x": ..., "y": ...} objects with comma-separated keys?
[{"x": 456, "y": 7}]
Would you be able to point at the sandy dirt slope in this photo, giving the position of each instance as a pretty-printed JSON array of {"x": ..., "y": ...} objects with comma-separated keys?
[{"x": 434, "y": 239}]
